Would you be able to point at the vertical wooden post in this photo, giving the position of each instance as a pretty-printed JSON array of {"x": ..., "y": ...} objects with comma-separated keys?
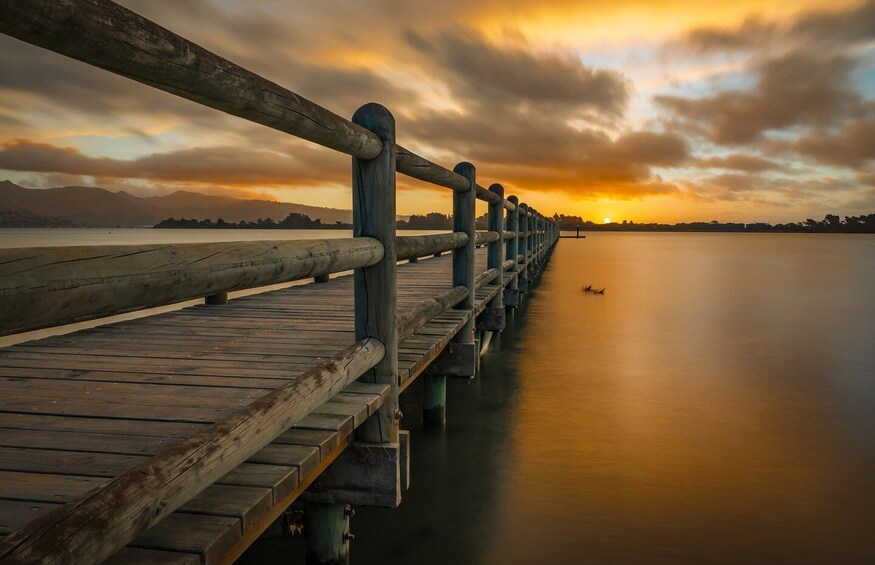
[
  {"x": 538, "y": 227},
  {"x": 530, "y": 244},
  {"x": 511, "y": 292},
  {"x": 463, "y": 257},
  {"x": 326, "y": 528},
  {"x": 492, "y": 318},
  {"x": 434, "y": 401},
  {"x": 522, "y": 240},
  {"x": 217, "y": 299},
  {"x": 373, "y": 215}
]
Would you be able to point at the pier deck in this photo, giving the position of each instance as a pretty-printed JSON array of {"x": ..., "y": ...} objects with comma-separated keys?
[
  {"x": 79, "y": 409},
  {"x": 180, "y": 437}
]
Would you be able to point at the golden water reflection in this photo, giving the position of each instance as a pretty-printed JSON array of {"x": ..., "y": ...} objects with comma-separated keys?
[{"x": 715, "y": 405}]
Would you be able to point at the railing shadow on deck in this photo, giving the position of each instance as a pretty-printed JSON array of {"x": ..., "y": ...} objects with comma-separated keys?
[{"x": 45, "y": 287}]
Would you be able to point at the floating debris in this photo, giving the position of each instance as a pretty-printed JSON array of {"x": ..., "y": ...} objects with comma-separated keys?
[{"x": 589, "y": 288}]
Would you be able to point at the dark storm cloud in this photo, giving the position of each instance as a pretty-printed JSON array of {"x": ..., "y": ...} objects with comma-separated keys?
[
  {"x": 227, "y": 166},
  {"x": 801, "y": 88}
]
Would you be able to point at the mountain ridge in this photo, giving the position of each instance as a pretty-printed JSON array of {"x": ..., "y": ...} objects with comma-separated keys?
[{"x": 91, "y": 206}]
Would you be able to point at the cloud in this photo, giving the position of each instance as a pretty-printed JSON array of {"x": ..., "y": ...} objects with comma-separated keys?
[
  {"x": 224, "y": 166},
  {"x": 852, "y": 146},
  {"x": 740, "y": 162},
  {"x": 801, "y": 88},
  {"x": 487, "y": 75},
  {"x": 821, "y": 29}
]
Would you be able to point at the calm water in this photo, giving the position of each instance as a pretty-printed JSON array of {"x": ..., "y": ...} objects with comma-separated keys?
[{"x": 716, "y": 405}]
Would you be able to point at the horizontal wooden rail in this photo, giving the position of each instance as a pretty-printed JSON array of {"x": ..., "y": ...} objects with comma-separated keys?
[
  {"x": 423, "y": 312},
  {"x": 509, "y": 235},
  {"x": 413, "y": 165},
  {"x": 486, "y": 277},
  {"x": 487, "y": 195},
  {"x": 509, "y": 265},
  {"x": 52, "y": 286},
  {"x": 410, "y": 246},
  {"x": 92, "y": 528},
  {"x": 487, "y": 237}
]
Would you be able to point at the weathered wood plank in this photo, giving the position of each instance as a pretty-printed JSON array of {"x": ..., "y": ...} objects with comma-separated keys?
[
  {"x": 51, "y": 286},
  {"x": 143, "y": 496}
]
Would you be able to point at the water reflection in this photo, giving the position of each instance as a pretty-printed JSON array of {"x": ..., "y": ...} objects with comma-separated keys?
[{"x": 716, "y": 405}]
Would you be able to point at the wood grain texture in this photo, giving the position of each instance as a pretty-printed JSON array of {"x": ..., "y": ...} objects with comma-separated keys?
[
  {"x": 411, "y": 246},
  {"x": 463, "y": 258},
  {"x": 94, "y": 527},
  {"x": 51, "y": 286},
  {"x": 375, "y": 287}
]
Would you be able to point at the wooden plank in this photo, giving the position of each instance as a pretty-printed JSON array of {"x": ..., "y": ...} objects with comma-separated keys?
[
  {"x": 248, "y": 504},
  {"x": 137, "y": 556},
  {"x": 45, "y": 487},
  {"x": 209, "y": 536},
  {"x": 304, "y": 457},
  {"x": 281, "y": 479},
  {"x": 14, "y": 514},
  {"x": 142, "y": 497}
]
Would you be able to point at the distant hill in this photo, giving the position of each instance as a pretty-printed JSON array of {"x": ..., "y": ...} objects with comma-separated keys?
[
  {"x": 98, "y": 207},
  {"x": 10, "y": 219}
]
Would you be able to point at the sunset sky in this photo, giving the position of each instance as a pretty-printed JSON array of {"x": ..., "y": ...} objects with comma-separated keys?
[{"x": 640, "y": 110}]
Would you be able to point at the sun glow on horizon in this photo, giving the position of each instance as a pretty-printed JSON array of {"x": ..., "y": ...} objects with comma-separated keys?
[{"x": 607, "y": 220}]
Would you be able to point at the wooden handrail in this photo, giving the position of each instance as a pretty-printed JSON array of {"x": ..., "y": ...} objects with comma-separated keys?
[
  {"x": 52, "y": 286},
  {"x": 410, "y": 246}
]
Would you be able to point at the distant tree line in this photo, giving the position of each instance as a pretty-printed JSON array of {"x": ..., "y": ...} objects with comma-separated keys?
[
  {"x": 830, "y": 224},
  {"x": 437, "y": 221},
  {"x": 294, "y": 221}
]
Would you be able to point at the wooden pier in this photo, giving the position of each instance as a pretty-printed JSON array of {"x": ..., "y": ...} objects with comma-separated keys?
[{"x": 181, "y": 437}]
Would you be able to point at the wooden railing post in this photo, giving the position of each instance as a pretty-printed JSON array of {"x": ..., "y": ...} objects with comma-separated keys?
[
  {"x": 522, "y": 245},
  {"x": 511, "y": 292},
  {"x": 373, "y": 211},
  {"x": 538, "y": 249},
  {"x": 463, "y": 257},
  {"x": 530, "y": 245},
  {"x": 492, "y": 318},
  {"x": 373, "y": 215}
]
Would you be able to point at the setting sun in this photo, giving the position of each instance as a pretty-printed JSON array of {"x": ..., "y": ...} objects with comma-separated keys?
[{"x": 607, "y": 220}]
